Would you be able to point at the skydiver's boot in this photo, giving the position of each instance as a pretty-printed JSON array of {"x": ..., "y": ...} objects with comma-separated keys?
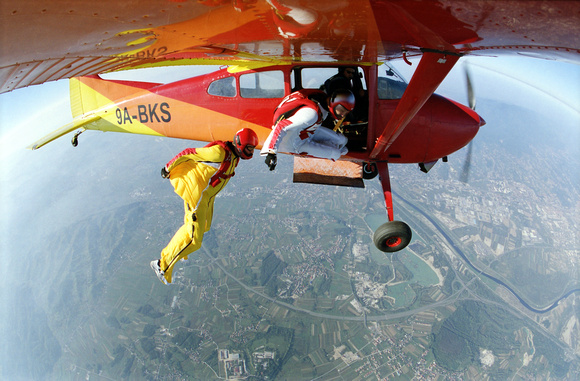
[{"x": 160, "y": 274}]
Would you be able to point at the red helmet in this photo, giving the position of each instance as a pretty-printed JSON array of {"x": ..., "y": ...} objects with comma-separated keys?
[
  {"x": 243, "y": 138},
  {"x": 344, "y": 98}
]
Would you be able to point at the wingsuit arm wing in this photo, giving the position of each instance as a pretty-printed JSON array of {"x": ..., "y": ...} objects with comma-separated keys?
[
  {"x": 303, "y": 119},
  {"x": 213, "y": 154}
]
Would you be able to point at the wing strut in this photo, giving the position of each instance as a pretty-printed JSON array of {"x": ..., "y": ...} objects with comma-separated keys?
[
  {"x": 432, "y": 70},
  {"x": 383, "y": 168}
]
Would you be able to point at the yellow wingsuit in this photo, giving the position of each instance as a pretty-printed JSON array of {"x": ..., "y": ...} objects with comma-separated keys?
[{"x": 198, "y": 175}]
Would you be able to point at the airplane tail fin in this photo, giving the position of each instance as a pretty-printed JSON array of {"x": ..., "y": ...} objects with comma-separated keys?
[
  {"x": 77, "y": 106},
  {"x": 95, "y": 104},
  {"x": 91, "y": 93}
]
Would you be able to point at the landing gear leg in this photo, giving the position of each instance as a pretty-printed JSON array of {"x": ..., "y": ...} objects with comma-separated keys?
[{"x": 392, "y": 235}]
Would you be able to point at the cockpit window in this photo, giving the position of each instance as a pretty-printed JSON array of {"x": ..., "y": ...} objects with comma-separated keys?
[
  {"x": 225, "y": 87},
  {"x": 315, "y": 78},
  {"x": 267, "y": 84},
  {"x": 390, "y": 84}
]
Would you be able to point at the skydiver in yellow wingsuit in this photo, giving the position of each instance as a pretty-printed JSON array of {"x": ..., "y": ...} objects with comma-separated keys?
[{"x": 198, "y": 175}]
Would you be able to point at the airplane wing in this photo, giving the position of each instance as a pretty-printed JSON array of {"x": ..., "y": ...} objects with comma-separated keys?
[{"x": 46, "y": 41}]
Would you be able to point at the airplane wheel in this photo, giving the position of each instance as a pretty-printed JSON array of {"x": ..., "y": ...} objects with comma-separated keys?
[
  {"x": 392, "y": 236},
  {"x": 370, "y": 171}
]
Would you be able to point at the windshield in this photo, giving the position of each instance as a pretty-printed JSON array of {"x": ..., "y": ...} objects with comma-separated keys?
[{"x": 390, "y": 84}]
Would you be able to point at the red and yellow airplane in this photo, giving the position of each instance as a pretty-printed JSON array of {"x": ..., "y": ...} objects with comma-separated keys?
[{"x": 271, "y": 48}]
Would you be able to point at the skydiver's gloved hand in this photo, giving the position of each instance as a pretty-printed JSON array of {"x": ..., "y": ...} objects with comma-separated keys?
[
  {"x": 164, "y": 173},
  {"x": 271, "y": 161}
]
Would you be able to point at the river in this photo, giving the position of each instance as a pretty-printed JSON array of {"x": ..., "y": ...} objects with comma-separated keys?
[{"x": 462, "y": 255}]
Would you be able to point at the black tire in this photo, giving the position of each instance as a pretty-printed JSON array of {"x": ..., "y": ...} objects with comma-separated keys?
[
  {"x": 370, "y": 171},
  {"x": 392, "y": 236}
]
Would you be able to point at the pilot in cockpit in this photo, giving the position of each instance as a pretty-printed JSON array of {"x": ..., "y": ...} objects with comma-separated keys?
[{"x": 348, "y": 78}]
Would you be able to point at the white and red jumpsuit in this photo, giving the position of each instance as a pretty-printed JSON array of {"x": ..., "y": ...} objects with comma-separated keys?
[
  {"x": 298, "y": 128},
  {"x": 198, "y": 175}
]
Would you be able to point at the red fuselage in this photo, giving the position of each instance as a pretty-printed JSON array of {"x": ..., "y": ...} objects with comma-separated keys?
[{"x": 214, "y": 106}]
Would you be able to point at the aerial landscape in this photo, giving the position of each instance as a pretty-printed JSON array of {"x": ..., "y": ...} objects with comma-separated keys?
[{"x": 288, "y": 284}]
